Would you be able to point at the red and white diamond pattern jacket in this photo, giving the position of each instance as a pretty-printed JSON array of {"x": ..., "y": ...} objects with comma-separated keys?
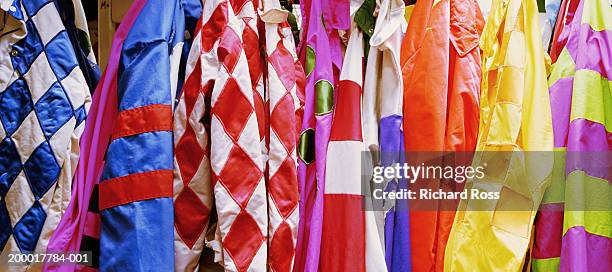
[
  {"x": 281, "y": 91},
  {"x": 233, "y": 154}
]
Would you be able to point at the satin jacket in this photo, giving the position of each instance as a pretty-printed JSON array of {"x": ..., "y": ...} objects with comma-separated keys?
[
  {"x": 441, "y": 72},
  {"x": 382, "y": 123},
  {"x": 231, "y": 154},
  {"x": 515, "y": 135},
  {"x": 572, "y": 228},
  {"x": 44, "y": 100}
]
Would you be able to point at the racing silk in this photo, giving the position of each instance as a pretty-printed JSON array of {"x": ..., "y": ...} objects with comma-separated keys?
[
  {"x": 440, "y": 62},
  {"x": 44, "y": 100},
  {"x": 284, "y": 79},
  {"x": 129, "y": 145},
  {"x": 135, "y": 190},
  {"x": 382, "y": 123},
  {"x": 219, "y": 155},
  {"x": 318, "y": 60},
  {"x": 515, "y": 119},
  {"x": 577, "y": 239},
  {"x": 350, "y": 240},
  {"x": 257, "y": 221}
]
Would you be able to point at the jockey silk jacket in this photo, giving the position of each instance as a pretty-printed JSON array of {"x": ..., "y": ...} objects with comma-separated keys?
[{"x": 244, "y": 135}]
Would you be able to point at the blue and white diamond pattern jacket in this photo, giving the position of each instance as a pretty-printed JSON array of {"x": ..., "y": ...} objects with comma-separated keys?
[{"x": 43, "y": 103}]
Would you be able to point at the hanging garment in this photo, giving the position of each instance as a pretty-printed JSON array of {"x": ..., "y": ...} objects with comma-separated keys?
[
  {"x": 587, "y": 216},
  {"x": 220, "y": 74},
  {"x": 44, "y": 100},
  {"x": 515, "y": 117},
  {"x": 284, "y": 83},
  {"x": 579, "y": 238},
  {"x": 318, "y": 60},
  {"x": 350, "y": 240},
  {"x": 382, "y": 117},
  {"x": 441, "y": 71},
  {"x": 135, "y": 188},
  {"x": 80, "y": 225},
  {"x": 248, "y": 18},
  {"x": 194, "y": 194},
  {"x": 139, "y": 126}
]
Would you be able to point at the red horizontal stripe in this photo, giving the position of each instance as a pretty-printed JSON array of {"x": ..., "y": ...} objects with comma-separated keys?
[
  {"x": 157, "y": 117},
  {"x": 345, "y": 237},
  {"x": 346, "y": 125},
  {"x": 135, "y": 187},
  {"x": 92, "y": 225}
]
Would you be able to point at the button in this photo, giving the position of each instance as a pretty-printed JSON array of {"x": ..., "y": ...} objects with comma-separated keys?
[
  {"x": 12, "y": 9},
  {"x": 14, "y": 53}
]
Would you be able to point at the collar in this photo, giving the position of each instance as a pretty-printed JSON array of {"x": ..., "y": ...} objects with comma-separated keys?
[
  {"x": 390, "y": 18},
  {"x": 12, "y": 7}
]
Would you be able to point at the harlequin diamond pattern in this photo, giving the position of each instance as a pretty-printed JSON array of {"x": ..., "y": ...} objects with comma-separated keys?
[
  {"x": 257, "y": 220},
  {"x": 241, "y": 172},
  {"x": 189, "y": 154},
  {"x": 243, "y": 240},
  {"x": 250, "y": 38},
  {"x": 194, "y": 216},
  {"x": 35, "y": 122},
  {"x": 240, "y": 175},
  {"x": 41, "y": 169},
  {"x": 28, "y": 228},
  {"x": 282, "y": 186},
  {"x": 16, "y": 104},
  {"x": 278, "y": 60},
  {"x": 230, "y": 48},
  {"x": 284, "y": 113},
  {"x": 192, "y": 188},
  {"x": 232, "y": 108}
]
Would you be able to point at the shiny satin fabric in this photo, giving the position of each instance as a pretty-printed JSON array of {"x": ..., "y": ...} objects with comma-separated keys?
[
  {"x": 515, "y": 116},
  {"x": 567, "y": 238},
  {"x": 135, "y": 129},
  {"x": 319, "y": 55},
  {"x": 98, "y": 128},
  {"x": 566, "y": 13},
  {"x": 250, "y": 234},
  {"x": 284, "y": 81},
  {"x": 44, "y": 99},
  {"x": 440, "y": 62},
  {"x": 141, "y": 150},
  {"x": 354, "y": 244},
  {"x": 382, "y": 124}
]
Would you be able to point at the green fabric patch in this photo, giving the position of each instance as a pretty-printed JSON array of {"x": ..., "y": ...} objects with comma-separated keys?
[
  {"x": 311, "y": 59},
  {"x": 306, "y": 146},
  {"x": 324, "y": 93}
]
